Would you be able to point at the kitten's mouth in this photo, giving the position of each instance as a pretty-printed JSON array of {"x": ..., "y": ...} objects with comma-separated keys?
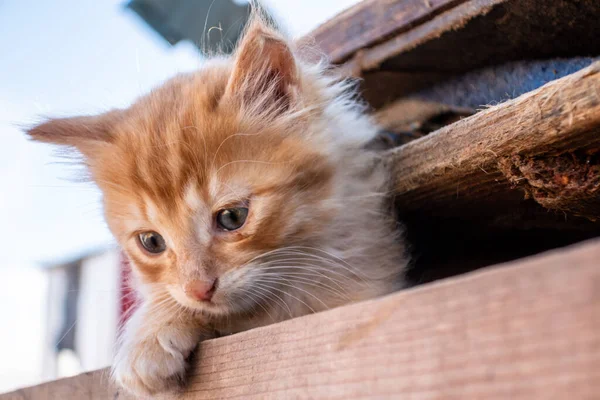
[
  {"x": 211, "y": 308},
  {"x": 209, "y": 305}
]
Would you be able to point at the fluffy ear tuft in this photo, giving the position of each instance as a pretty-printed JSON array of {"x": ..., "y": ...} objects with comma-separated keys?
[
  {"x": 264, "y": 69},
  {"x": 84, "y": 133}
]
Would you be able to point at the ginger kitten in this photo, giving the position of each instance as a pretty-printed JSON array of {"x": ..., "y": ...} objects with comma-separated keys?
[{"x": 243, "y": 196}]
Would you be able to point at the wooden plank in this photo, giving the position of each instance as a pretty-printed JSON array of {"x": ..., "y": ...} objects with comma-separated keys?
[
  {"x": 480, "y": 33},
  {"x": 373, "y": 21},
  {"x": 398, "y": 46},
  {"x": 545, "y": 142},
  {"x": 94, "y": 385},
  {"x": 526, "y": 330},
  {"x": 413, "y": 34}
]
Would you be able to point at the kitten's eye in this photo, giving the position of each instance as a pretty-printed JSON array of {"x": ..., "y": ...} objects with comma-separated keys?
[
  {"x": 231, "y": 219},
  {"x": 152, "y": 242}
]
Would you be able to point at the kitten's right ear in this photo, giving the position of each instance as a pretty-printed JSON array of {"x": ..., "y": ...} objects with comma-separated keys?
[
  {"x": 265, "y": 70},
  {"x": 86, "y": 133}
]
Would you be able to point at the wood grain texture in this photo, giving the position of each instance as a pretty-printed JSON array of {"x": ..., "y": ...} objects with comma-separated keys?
[
  {"x": 94, "y": 385},
  {"x": 476, "y": 163},
  {"x": 452, "y": 17},
  {"x": 373, "y": 21},
  {"x": 398, "y": 46},
  {"x": 526, "y": 330}
]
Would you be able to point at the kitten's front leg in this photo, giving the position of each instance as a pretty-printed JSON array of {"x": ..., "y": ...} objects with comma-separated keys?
[{"x": 154, "y": 347}]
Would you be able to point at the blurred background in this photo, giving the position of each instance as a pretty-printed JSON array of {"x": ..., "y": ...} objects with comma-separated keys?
[{"x": 61, "y": 292}]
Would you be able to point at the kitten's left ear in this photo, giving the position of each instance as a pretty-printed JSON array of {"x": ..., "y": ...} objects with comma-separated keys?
[
  {"x": 86, "y": 133},
  {"x": 265, "y": 69}
]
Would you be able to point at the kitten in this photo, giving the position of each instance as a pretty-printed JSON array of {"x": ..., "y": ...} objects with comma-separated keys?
[{"x": 243, "y": 196}]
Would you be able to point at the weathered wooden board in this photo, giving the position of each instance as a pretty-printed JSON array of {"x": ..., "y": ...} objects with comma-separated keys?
[
  {"x": 399, "y": 46},
  {"x": 546, "y": 143},
  {"x": 94, "y": 385},
  {"x": 527, "y": 330},
  {"x": 507, "y": 182},
  {"x": 373, "y": 21}
]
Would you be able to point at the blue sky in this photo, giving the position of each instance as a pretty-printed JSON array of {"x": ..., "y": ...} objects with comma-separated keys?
[{"x": 60, "y": 58}]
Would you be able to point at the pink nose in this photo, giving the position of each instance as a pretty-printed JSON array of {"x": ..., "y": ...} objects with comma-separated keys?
[{"x": 201, "y": 290}]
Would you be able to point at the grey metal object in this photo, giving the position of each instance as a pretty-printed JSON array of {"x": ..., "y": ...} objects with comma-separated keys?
[{"x": 212, "y": 25}]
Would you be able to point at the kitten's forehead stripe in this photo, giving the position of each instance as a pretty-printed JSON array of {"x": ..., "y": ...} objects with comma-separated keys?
[
  {"x": 203, "y": 226},
  {"x": 152, "y": 211},
  {"x": 213, "y": 186},
  {"x": 192, "y": 196}
]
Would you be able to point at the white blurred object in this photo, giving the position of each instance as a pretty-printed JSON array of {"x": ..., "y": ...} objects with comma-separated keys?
[
  {"x": 83, "y": 314},
  {"x": 68, "y": 364}
]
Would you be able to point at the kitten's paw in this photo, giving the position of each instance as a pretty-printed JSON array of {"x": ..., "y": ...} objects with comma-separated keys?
[{"x": 154, "y": 364}]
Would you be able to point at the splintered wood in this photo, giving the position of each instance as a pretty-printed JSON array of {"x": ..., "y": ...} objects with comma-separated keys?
[
  {"x": 526, "y": 330},
  {"x": 476, "y": 163}
]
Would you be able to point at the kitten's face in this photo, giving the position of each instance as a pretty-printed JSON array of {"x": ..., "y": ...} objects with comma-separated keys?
[
  {"x": 209, "y": 173},
  {"x": 218, "y": 190}
]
